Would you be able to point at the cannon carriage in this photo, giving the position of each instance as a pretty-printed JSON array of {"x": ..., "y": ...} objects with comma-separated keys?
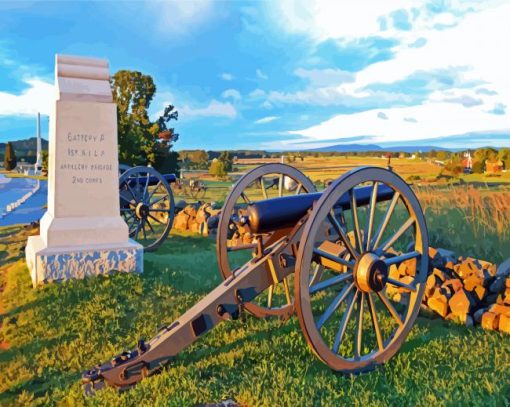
[{"x": 334, "y": 258}]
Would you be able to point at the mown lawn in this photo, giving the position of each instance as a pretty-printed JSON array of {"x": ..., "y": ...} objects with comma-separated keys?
[{"x": 55, "y": 332}]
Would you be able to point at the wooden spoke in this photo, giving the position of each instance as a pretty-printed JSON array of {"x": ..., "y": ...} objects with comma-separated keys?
[
  {"x": 400, "y": 284},
  {"x": 131, "y": 222},
  {"x": 287, "y": 290},
  {"x": 399, "y": 259},
  {"x": 146, "y": 188},
  {"x": 125, "y": 199},
  {"x": 375, "y": 323},
  {"x": 397, "y": 234},
  {"x": 317, "y": 274},
  {"x": 143, "y": 228},
  {"x": 334, "y": 305},
  {"x": 263, "y": 187},
  {"x": 371, "y": 215},
  {"x": 138, "y": 229},
  {"x": 150, "y": 227},
  {"x": 385, "y": 221},
  {"x": 390, "y": 307},
  {"x": 270, "y": 296},
  {"x": 354, "y": 211},
  {"x": 298, "y": 189},
  {"x": 131, "y": 191},
  {"x": 343, "y": 236},
  {"x": 359, "y": 331},
  {"x": 331, "y": 257},
  {"x": 343, "y": 323},
  {"x": 153, "y": 191},
  {"x": 159, "y": 200},
  {"x": 241, "y": 247},
  {"x": 245, "y": 198},
  {"x": 330, "y": 282},
  {"x": 280, "y": 185},
  {"x": 156, "y": 219},
  {"x": 138, "y": 186}
]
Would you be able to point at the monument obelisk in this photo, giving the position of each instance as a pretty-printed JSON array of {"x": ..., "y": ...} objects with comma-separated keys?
[{"x": 82, "y": 233}]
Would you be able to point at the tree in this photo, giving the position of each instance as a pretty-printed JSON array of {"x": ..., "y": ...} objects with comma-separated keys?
[
  {"x": 226, "y": 160},
  {"x": 504, "y": 155},
  {"x": 45, "y": 160},
  {"x": 217, "y": 168},
  {"x": 9, "y": 157},
  {"x": 139, "y": 142}
]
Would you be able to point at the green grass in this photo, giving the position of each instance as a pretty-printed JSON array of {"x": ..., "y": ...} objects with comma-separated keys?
[{"x": 56, "y": 331}]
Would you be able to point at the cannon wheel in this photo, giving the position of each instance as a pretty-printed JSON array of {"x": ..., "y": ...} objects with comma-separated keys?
[
  {"x": 198, "y": 190},
  {"x": 348, "y": 318},
  {"x": 147, "y": 207},
  {"x": 263, "y": 182}
]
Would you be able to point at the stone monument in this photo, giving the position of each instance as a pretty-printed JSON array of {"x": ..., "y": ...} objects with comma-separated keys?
[{"x": 82, "y": 233}]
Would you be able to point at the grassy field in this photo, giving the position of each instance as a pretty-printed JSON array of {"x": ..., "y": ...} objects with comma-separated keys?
[{"x": 51, "y": 334}]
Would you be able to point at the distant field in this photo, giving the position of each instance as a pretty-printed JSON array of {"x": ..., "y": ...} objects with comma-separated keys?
[{"x": 322, "y": 168}]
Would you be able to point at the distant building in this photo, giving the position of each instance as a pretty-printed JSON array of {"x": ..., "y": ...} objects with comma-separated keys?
[
  {"x": 467, "y": 163},
  {"x": 493, "y": 168}
]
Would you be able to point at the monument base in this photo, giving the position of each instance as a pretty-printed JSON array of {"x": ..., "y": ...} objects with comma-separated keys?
[{"x": 48, "y": 264}]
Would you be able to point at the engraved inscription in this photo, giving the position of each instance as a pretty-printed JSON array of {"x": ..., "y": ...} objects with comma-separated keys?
[{"x": 83, "y": 158}]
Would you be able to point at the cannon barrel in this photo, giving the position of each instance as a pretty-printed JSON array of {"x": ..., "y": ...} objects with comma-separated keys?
[
  {"x": 278, "y": 213},
  {"x": 153, "y": 180}
]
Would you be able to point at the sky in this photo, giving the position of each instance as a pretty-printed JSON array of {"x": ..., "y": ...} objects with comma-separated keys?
[{"x": 278, "y": 75}]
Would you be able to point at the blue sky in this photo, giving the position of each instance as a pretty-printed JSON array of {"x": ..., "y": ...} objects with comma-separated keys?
[{"x": 279, "y": 75}]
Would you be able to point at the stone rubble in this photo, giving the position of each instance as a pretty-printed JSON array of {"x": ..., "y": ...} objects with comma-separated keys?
[
  {"x": 201, "y": 218},
  {"x": 466, "y": 290}
]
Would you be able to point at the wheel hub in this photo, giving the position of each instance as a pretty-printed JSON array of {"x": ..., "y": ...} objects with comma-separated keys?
[
  {"x": 370, "y": 273},
  {"x": 142, "y": 210}
]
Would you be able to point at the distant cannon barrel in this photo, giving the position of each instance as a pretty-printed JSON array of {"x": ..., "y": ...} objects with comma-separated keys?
[
  {"x": 278, "y": 213},
  {"x": 153, "y": 180}
]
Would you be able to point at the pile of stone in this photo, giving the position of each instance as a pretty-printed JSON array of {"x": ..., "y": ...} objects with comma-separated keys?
[
  {"x": 466, "y": 290},
  {"x": 201, "y": 218}
]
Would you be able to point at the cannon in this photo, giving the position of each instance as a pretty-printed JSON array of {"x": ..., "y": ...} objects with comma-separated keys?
[
  {"x": 146, "y": 204},
  {"x": 333, "y": 258}
]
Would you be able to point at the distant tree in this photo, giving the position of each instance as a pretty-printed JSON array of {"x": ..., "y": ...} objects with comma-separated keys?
[
  {"x": 226, "y": 160},
  {"x": 217, "y": 168},
  {"x": 504, "y": 155},
  {"x": 442, "y": 155},
  {"x": 45, "y": 160},
  {"x": 478, "y": 167},
  {"x": 454, "y": 166},
  {"x": 139, "y": 142},
  {"x": 9, "y": 157}
]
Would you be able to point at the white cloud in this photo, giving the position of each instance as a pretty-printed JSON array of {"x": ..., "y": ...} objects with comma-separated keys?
[
  {"x": 180, "y": 17},
  {"x": 231, "y": 93},
  {"x": 324, "y": 77},
  {"x": 427, "y": 121},
  {"x": 227, "y": 76},
  {"x": 471, "y": 46},
  {"x": 471, "y": 96},
  {"x": 257, "y": 93},
  {"x": 267, "y": 119},
  {"x": 260, "y": 74},
  {"x": 213, "y": 109},
  {"x": 347, "y": 20},
  {"x": 36, "y": 98}
]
